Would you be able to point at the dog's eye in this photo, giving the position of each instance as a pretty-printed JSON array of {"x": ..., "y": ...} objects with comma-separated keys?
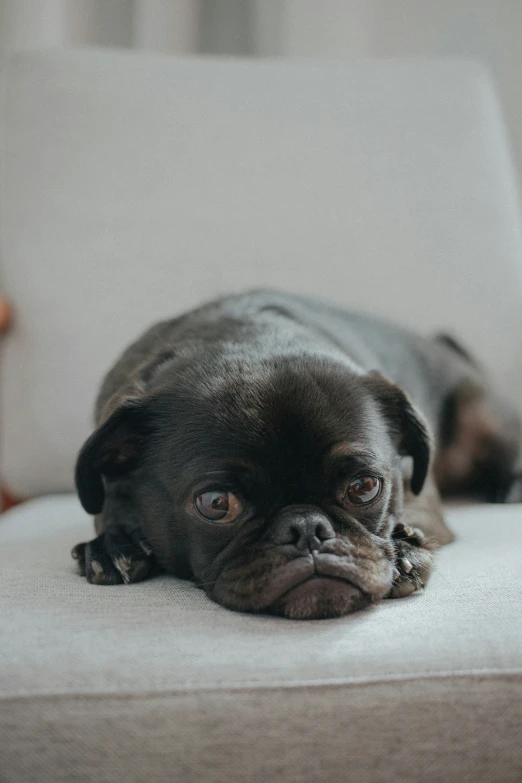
[
  {"x": 363, "y": 490},
  {"x": 218, "y": 506}
]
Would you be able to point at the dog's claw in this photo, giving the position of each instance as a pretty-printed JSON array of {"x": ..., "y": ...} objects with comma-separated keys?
[
  {"x": 407, "y": 533},
  {"x": 78, "y": 552},
  {"x": 406, "y": 565},
  {"x": 144, "y": 544},
  {"x": 123, "y": 564}
]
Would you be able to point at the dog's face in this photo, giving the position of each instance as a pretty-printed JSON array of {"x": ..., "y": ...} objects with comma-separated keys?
[{"x": 274, "y": 489}]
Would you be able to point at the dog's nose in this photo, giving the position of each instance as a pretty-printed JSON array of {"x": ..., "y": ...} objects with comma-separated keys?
[{"x": 304, "y": 529}]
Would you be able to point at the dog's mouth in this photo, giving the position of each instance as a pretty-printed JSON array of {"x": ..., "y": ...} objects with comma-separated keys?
[
  {"x": 315, "y": 586},
  {"x": 320, "y": 597}
]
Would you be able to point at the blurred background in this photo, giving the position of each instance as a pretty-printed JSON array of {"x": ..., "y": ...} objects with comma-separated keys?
[
  {"x": 366, "y": 163},
  {"x": 487, "y": 30}
]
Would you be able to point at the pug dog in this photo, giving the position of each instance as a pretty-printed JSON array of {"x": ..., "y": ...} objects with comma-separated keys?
[{"x": 288, "y": 456}]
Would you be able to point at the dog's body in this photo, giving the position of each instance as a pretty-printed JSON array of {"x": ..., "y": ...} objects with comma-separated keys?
[{"x": 263, "y": 445}]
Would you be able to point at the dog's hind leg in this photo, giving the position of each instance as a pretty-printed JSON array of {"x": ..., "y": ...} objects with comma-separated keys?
[{"x": 480, "y": 446}]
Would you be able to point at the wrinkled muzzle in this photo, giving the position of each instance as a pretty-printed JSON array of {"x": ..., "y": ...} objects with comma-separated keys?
[{"x": 304, "y": 569}]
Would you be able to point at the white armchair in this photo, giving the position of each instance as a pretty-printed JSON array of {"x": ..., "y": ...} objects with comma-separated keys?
[{"x": 135, "y": 186}]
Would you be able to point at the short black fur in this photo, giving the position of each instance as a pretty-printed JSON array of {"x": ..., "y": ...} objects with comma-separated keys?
[{"x": 285, "y": 408}]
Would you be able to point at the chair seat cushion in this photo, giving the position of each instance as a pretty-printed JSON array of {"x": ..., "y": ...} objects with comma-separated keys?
[{"x": 153, "y": 681}]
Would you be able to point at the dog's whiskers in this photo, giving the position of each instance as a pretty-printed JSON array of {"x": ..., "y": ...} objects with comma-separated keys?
[{"x": 207, "y": 584}]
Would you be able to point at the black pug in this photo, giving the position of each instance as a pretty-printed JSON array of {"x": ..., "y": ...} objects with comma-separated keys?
[{"x": 288, "y": 456}]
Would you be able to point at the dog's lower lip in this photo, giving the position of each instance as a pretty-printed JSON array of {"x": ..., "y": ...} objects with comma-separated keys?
[
  {"x": 288, "y": 577},
  {"x": 324, "y": 578}
]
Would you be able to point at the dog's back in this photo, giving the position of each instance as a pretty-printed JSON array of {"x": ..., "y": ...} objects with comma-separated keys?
[
  {"x": 477, "y": 435},
  {"x": 426, "y": 368}
]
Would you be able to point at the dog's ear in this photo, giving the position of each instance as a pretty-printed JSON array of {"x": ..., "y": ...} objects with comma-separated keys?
[
  {"x": 112, "y": 450},
  {"x": 408, "y": 427}
]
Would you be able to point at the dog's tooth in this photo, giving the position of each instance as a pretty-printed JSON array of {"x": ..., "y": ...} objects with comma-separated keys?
[{"x": 406, "y": 565}]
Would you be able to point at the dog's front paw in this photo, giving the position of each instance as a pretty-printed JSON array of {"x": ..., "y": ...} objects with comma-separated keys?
[
  {"x": 114, "y": 558},
  {"x": 413, "y": 562}
]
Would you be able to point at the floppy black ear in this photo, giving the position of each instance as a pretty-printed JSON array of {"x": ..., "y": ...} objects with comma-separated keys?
[
  {"x": 112, "y": 450},
  {"x": 407, "y": 425}
]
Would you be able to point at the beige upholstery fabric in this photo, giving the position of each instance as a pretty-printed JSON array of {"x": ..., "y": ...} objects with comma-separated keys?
[
  {"x": 154, "y": 682},
  {"x": 135, "y": 186}
]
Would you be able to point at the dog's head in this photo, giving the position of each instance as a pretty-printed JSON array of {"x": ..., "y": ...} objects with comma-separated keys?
[{"x": 273, "y": 486}]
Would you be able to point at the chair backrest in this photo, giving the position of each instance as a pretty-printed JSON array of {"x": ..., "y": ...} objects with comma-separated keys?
[{"x": 135, "y": 186}]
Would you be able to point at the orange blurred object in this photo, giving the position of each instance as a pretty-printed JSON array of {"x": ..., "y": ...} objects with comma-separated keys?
[
  {"x": 7, "y": 500},
  {"x": 6, "y": 314}
]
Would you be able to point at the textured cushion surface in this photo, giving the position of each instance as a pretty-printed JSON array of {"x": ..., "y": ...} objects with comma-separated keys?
[
  {"x": 135, "y": 186},
  {"x": 155, "y": 682}
]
